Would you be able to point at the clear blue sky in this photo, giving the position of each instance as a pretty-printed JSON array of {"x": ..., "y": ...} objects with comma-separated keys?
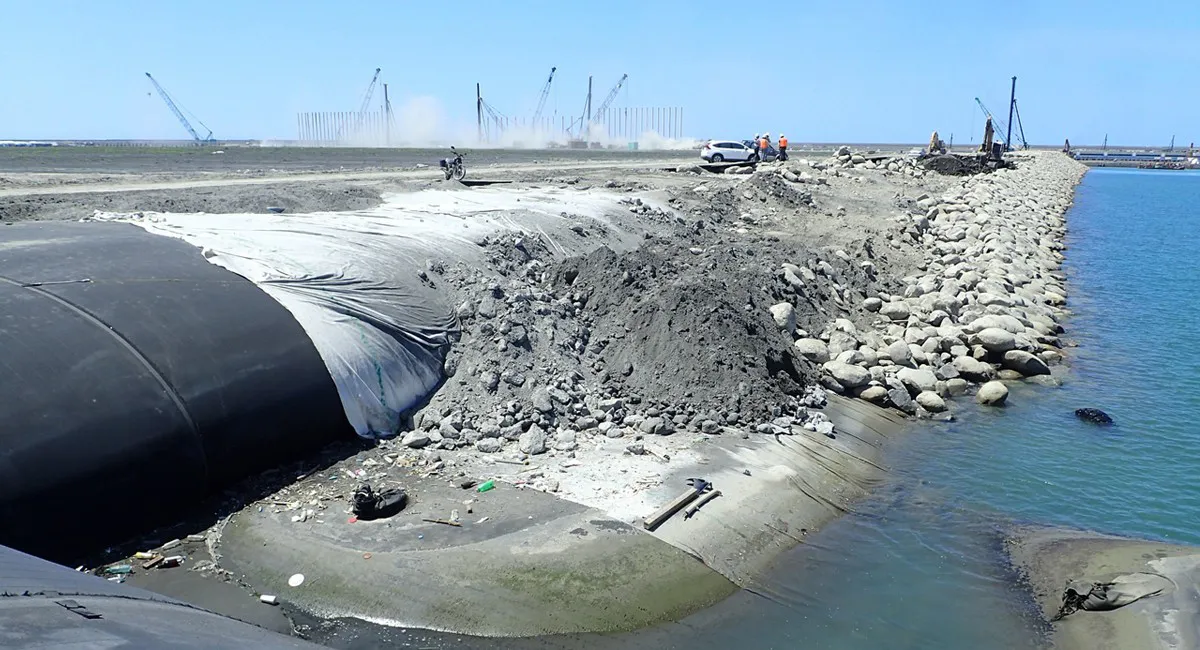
[{"x": 866, "y": 71}]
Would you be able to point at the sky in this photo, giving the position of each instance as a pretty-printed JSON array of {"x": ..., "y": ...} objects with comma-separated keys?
[{"x": 847, "y": 71}]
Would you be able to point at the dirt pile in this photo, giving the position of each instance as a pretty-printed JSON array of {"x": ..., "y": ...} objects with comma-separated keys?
[
  {"x": 611, "y": 344},
  {"x": 957, "y": 165}
]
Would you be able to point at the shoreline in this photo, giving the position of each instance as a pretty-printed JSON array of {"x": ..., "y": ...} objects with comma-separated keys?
[{"x": 593, "y": 404}]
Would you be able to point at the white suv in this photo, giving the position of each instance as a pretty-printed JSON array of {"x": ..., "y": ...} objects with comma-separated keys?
[{"x": 726, "y": 150}]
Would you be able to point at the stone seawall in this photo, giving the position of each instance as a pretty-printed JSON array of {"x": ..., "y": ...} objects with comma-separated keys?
[{"x": 985, "y": 306}]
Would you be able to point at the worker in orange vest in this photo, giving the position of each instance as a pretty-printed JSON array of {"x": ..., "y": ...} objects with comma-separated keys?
[
  {"x": 763, "y": 146},
  {"x": 782, "y": 147}
]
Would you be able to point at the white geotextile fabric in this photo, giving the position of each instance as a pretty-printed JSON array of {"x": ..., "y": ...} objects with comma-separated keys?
[{"x": 351, "y": 279}]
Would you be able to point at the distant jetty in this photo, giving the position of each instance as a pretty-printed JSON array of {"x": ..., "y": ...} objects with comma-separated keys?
[{"x": 1138, "y": 159}]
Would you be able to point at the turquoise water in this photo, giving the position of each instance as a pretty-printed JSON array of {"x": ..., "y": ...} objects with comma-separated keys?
[{"x": 920, "y": 564}]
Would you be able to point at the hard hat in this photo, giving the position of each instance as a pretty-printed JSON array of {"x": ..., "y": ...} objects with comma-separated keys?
[
  {"x": 766, "y": 135},
  {"x": 782, "y": 135}
]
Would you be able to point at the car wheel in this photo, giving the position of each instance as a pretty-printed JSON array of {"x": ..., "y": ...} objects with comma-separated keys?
[{"x": 718, "y": 158}]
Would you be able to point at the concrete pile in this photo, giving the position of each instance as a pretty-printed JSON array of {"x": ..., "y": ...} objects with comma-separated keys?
[{"x": 985, "y": 307}]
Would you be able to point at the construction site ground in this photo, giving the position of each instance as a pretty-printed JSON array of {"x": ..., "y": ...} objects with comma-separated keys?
[{"x": 692, "y": 345}]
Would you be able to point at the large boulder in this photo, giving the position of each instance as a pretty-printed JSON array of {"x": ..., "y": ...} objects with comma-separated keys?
[
  {"x": 972, "y": 369},
  {"x": 847, "y": 376},
  {"x": 900, "y": 399},
  {"x": 840, "y": 341},
  {"x": 1001, "y": 321},
  {"x": 993, "y": 393},
  {"x": 489, "y": 445},
  {"x": 814, "y": 350},
  {"x": 894, "y": 310},
  {"x": 995, "y": 339},
  {"x": 946, "y": 372},
  {"x": 931, "y": 401},
  {"x": 533, "y": 441},
  {"x": 1025, "y": 363},
  {"x": 415, "y": 439},
  {"x": 785, "y": 316},
  {"x": 956, "y": 386},
  {"x": 541, "y": 401},
  {"x": 917, "y": 380},
  {"x": 899, "y": 353},
  {"x": 874, "y": 394}
]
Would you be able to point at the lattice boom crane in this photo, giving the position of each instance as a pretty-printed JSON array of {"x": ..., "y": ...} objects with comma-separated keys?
[{"x": 179, "y": 114}]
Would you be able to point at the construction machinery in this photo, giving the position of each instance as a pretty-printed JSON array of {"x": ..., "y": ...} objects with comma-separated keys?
[
  {"x": 608, "y": 99},
  {"x": 936, "y": 144},
  {"x": 993, "y": 122},
  {"x": 537, "y": 114},
  {"x": 361, "y": 115},
  {"x": 489, "y": 118},
  {"x": 1006, "y": 127},
  {"x": 179, "y": 114},
  {"x": 589, "y": 115},
  {"x": 366, "y": 101}
]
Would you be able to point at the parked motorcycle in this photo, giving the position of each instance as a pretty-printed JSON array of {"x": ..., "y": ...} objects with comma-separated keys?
[{"x": 453, "y": 167}]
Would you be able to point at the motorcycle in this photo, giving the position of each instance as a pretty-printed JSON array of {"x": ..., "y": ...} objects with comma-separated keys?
[{"x": 453, "y": 167}]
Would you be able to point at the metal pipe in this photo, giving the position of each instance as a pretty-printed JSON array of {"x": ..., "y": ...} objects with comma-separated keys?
[{"x": 1012, "y": 102}]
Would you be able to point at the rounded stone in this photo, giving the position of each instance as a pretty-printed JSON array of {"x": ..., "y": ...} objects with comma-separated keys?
[{"x": 993, "y": 393}]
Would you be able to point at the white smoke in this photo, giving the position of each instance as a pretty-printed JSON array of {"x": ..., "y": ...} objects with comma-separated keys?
[{"x": 423, "y": 122}]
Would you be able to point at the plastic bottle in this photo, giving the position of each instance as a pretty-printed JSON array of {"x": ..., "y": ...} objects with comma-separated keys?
[{"x": 487, "y": 486}]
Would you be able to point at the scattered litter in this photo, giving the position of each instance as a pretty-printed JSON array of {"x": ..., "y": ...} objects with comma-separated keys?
[
  {"x": 170, "y": 545},
  {"x": 443, "y": 521},
  {"x": 173, "y": 561},
  {"x": 366, "y": 556},
  {"x": 746, "y": 472},
  {"x": 143, "y": 555},
  {"x": 483, "y": 520},
  {"x": 196, "y": 538},
  {"x": 270, "y": 600},
  {"x": 454, "y": 517},
  {"x": 154, "y": 561},
  {"x": 274, "y": 208},
  {"x": 369, "y": 504},
  {"x": 117, "y": 579},
  {"x": 698, "y": 487},
  {"x": 487, "y": 486},
  {"x": 296, "y": 580},
  {"x": 467, "y": 483},
  {"x": 118, "y": 569}
]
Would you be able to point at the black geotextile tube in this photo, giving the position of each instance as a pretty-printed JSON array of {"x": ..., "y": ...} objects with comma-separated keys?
[
  {"x": 135, "y": 378},
  {"x": 44, "y": 605}
]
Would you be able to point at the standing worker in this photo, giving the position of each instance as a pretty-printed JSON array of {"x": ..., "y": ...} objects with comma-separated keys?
[
  {"x": 782, "y": 147},
  {"x": 754, "y": 144},
  {"x": 764, "y": 146}
]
